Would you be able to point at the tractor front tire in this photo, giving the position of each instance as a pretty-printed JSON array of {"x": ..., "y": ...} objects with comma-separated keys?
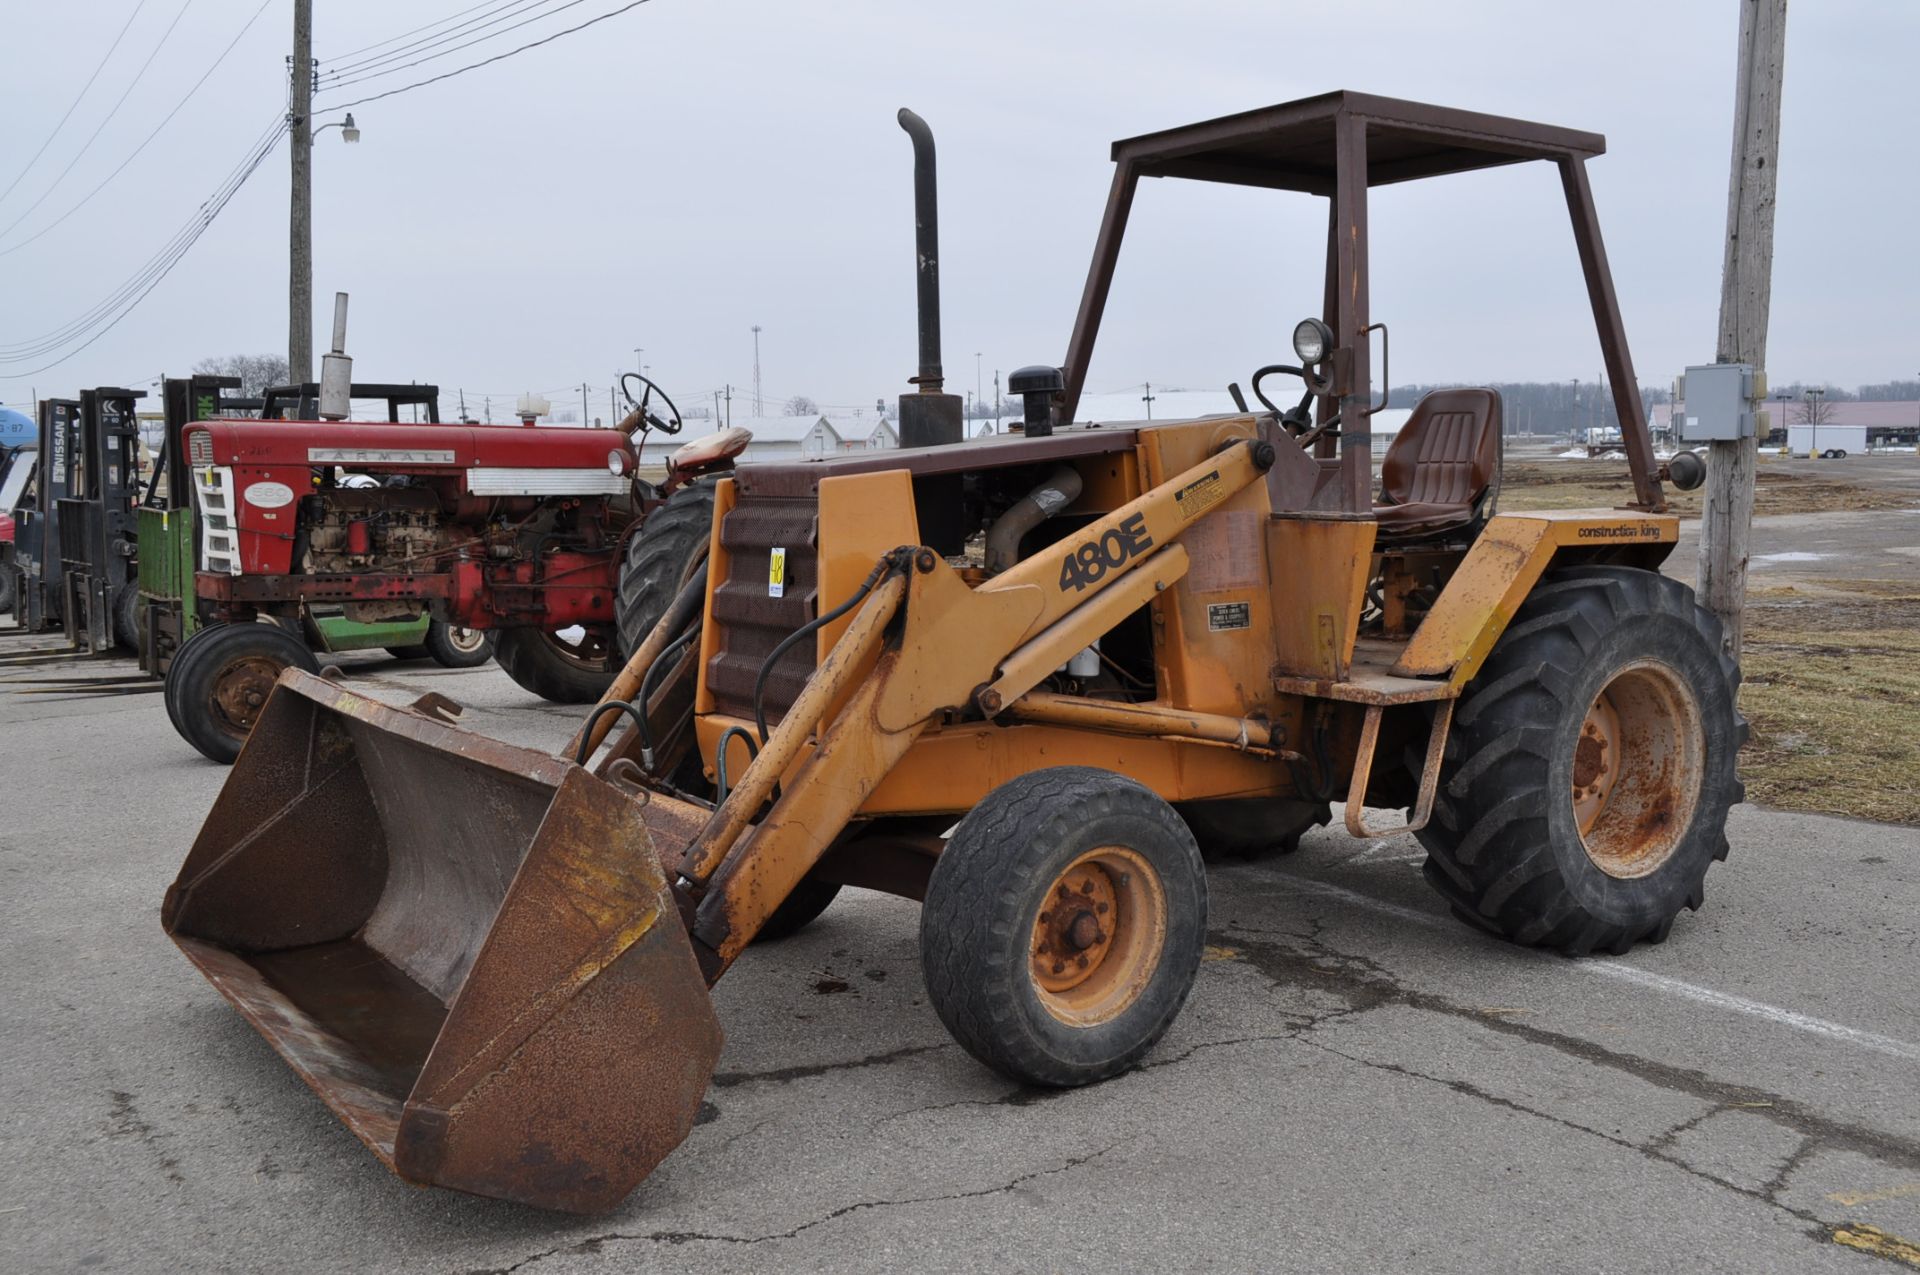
[
  {"x": 454, "y": 647},
  {"x": 126, "y": 615},
  {"x": 220, "y": 681},
  {"x": 1063, "y": 926},
  {"x": 1585, "y": 787},
  {"x": 659, "y": 557},
  {"x": 555, "y": 670}
]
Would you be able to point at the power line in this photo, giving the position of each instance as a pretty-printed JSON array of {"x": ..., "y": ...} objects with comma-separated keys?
[
  {"x": 75, "y": 104},
  {"x": 165, "y": 120},
  {"x": 499, "y": 57},
  {"x": 416, "y": 31},
  {"x": 104, "y": 317},
  {"x": 373, "y": 74},
  {"x": 338, "y": 70},
  {"x": 85, "y": 146}
]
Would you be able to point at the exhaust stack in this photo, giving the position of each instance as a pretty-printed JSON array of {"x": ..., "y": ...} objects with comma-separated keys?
[{"x": 928, "y": 418}]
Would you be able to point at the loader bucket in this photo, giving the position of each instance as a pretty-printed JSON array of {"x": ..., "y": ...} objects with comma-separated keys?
[{"x": 469, "y": 950}]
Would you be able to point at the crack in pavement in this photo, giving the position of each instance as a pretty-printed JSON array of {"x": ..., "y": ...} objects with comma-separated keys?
[
  {"x": 786, "y": 1075},
  {"x": 594, "y": 1244}
]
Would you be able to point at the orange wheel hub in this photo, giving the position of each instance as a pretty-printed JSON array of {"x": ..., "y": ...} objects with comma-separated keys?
[{"x": 1098, "y": 935}]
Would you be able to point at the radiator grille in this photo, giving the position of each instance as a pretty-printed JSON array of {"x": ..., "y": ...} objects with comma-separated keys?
[{"x": 750, "y": 622}]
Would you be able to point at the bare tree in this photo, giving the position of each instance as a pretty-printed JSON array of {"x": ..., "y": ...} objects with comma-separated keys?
[
  {"x": 257, "y": 372},
  {"x": 1816, "y": 410},
  {"x": 801, "y": 405}
]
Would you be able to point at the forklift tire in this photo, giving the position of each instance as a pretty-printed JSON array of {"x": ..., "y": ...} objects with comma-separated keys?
[
  {"x": 1251, "y": 827},
  {"x": 126, "y": 623},
  {"x": 220, "y": 680},
  {"x": 541, "y": 663},
  {"x": 7, "y": 591},
  {"x": 658, "y": 557},
  {"x": 1063, "y": 926},
  {"x": 1539, "y": 835},
  {"x": 453, "y": 647}
]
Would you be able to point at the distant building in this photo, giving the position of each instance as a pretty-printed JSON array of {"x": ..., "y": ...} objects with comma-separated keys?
[
  {"x": 807, "y": 437},
  {"x": 1851, "y": 426}
]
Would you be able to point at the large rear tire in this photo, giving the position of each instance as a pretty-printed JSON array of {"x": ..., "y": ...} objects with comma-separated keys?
[
  {"x": 1585, "y": 788},
  {"x": 220, "y": 681},
  {"x": 659, "y": 560},
  {"x": 556, "y": 670},
  {"x": 1063, "y": 926}
]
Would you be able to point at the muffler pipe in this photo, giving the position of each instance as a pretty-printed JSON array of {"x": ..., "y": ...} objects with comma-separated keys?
[
  {"x": 931, "y": 417},
  {"x": 926, "y": 244}
]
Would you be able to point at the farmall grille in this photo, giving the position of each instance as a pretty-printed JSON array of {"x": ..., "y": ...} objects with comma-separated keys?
[
  {"x": 751, "y": 622},
  {"x": 200, "y": 448}
]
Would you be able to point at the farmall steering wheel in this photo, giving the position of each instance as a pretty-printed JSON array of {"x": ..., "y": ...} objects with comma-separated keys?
[{"x": 647, "y": 420}]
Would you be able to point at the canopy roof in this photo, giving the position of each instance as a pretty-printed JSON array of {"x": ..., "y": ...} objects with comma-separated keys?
[{"x": 1293, "y": 146}]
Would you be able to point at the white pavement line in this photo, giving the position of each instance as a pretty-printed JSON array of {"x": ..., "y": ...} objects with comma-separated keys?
[{"x": 1892, "y": 1047}]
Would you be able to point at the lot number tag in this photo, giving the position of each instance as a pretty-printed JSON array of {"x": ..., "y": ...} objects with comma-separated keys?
[{"x": 777, "y": 573}]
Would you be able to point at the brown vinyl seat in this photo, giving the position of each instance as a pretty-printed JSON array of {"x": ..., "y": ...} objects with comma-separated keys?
[{"x": 1440, "y": 465}]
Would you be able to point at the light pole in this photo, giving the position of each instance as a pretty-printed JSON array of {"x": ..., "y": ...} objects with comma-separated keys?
[
  {"x": 759, "y": 408},
  {"x": 639, "y": 360},
  {"x": 1814, "y": 398},
  {"x": 978, "y": 396},
  {"x": 301, "y": 132}
]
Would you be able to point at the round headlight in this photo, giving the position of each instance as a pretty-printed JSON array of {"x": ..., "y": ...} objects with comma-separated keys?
[
  {"x": 616, "y": 462},
  {"x": 1312, "y": 341}
]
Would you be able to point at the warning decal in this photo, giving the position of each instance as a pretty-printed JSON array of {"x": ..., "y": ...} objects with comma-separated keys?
[
  {"x": 1200, "y": 495},
  {"x": 777, "y": 573}
]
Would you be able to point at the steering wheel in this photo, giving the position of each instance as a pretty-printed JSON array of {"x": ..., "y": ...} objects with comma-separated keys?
[
  {"x": 648, "y": 419},
  {"x": 1297, "y": 422}
]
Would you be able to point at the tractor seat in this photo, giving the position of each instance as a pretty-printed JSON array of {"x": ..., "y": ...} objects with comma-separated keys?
[{"x": 1440, "y": 465}]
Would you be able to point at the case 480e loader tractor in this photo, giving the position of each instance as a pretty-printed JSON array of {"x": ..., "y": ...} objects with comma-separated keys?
[{"x": 1024, "y": 679}]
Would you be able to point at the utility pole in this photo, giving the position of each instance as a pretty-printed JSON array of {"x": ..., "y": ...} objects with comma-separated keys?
[
  {"x": 759, "y": 408},
  {"x": 729, "y": 405},
  {"x": 300, "y": 247},
  {"x": 1746, "y": 294},
  {"x": 640, "y": 360},
  {"x": 978, "y": 396},
  {"x": 996, "y": 400},
  {"x": 1147, "y": 398},
  {"x": 583, "y": 404}
]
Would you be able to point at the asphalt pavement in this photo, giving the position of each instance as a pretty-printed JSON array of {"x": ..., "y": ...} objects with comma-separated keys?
[{"x": 1358, "y": 1082}]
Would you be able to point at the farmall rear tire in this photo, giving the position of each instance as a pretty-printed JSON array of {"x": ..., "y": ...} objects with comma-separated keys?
[
  {"x": 1063, "y": 926},
  {"x": 1585, "y": 788},
  {"x": 659, "y": 559},
  {"x": 454, "y": 647},
  {"x": 549, "y": 667},
  {"x": 218, "y": 689}
]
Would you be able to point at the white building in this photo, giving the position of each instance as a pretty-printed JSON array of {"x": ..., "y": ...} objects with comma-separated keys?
[{"x": 782, "y": 438}]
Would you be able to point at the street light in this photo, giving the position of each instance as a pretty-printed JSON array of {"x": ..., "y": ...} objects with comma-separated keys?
[
  {"x": 349, "y": 131},
  {"x": 1813, "y": 422}
]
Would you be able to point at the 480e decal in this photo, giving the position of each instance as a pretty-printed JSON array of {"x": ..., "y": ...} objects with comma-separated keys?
[{"x": 1092, "y": 560}]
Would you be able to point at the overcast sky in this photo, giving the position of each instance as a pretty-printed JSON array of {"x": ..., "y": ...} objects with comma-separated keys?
[{"x": 676, "y": 174}]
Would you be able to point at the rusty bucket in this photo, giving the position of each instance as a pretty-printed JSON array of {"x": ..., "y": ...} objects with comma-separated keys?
[{"x": 469, "y": 950}]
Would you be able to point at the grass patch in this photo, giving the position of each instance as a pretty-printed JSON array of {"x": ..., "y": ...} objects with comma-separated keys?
[
  {"x": 1832, "y": 688},
  {"x": 1605, "y": 484}
]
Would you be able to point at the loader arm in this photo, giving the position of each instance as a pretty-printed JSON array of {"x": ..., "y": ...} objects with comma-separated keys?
[{"x": 924, "y": 643}]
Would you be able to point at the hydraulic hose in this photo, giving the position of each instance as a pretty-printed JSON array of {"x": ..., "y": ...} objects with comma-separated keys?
[{"x": 720, "y": 758}]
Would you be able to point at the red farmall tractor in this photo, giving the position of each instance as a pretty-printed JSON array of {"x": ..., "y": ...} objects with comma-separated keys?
[{"x": 545, "y": 537}]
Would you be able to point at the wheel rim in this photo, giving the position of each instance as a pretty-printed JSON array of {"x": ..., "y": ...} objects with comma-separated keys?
[
  {"x": 465, "y": 641},
  {"x": 1637, "y": 769},
  {"x": 1097, "y": 936},
  {"x": 240, "y": 689},
  {"x": 591, "y": 651}
]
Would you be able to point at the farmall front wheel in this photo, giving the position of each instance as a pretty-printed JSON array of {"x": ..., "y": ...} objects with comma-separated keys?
[
  {"x": 455, "y": 647},
  {"x": 1585, "y": 789},
  {"x": 1063, "y": 926},
  {"x": 220, "y": 680}
]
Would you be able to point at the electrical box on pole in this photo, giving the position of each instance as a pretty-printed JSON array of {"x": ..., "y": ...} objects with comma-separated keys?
[{"x": 1721, "y": 402}]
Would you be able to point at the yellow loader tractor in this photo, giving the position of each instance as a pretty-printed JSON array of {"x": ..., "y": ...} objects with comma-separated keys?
[{"x": 1033, "y": 680}]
